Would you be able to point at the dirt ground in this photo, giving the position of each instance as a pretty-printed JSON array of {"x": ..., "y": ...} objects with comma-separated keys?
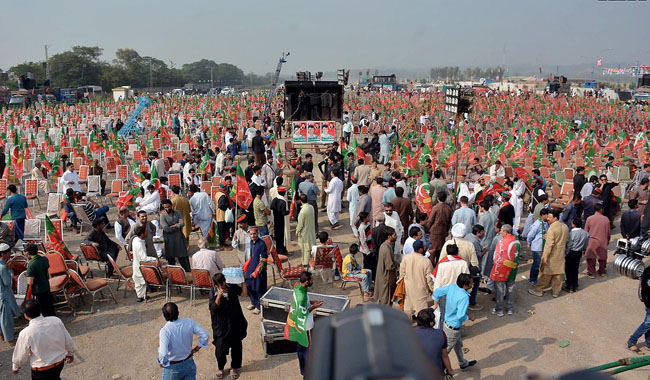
[{"x": 121, "y": 341}]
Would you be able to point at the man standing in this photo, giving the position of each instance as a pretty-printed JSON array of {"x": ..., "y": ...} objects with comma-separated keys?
[
  {"x": 45, "y": 343},
  {"x": 353, "y": 197},
  {"x": 228, "y": 324},
  {"x": 182, "y": 205},
  {"x": 403, "y": 208},
  {"x": 139, "y": 250},
  {"x": 206, "y": 258},
  {"x": 392, "y": 220},
  {"x": 377, "y": 194},
  {"x": 487, "y": 220},
  {"x": 223, "y": 203},
  {"x": 261, "y": 212},
  {"x": 98, "y": 170},
  {"x": 579, "y": 180},
  {"x": 304, "y": 229},
  {"x": 456, "y": 303},
  {"x": 386, "y": 269},
  {"x": 641, "y": 194},
  {"x": 103, "y": 244},
  {"x": 553, "y": 261},
  {"x": 334, "y": 192},
  {"x": 507, "y": 210},
  {"x": 599, "y": 235},
  {"x": 363, "y": 173},
  {"x": 389, "y": 194},
  {"x": 171, "y": 222},
  {"x": 175, "y": 348},
  {"x": 644, "y": 328},
  {"x": 258, "y": 148},
  {"x": 255, "y": 274},
  {"x": 631, "y": 221},
  {"x": 309, "y": 188},
  {"x": 280, "y": 220},
  {"x": 38, "y": 279},
  {"x": 438, "y": 185},
  {"x": 202, "y": 209},
  {"x": 416, "y": 270},
  {"x": 464, "y": 215},
  {"x": 438, "y": 224},
  {"x": 571, "y": 210},
  {"x": 589, "y": 202},
  {"x": 364, "y": 204},
  {"x": 69, "y": 179},
  {"x": 8, "y": 306},
  {"x": 504, "y": 270},
  {"x": 16, "y": 203},
  {"x": 535, "y": 239},
  {"x": 151, "y": 232},
  {"x": 300, "y": 320}
]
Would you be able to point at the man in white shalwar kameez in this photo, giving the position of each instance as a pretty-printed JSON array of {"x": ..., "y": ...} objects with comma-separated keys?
[
  {"x": 384, "y": 148},
  {"x": 202, "y": 209},
  {"x": 334, "y": 191},
  {"x": 353, "y": 198},
  {"x": 392, "y": 220},
  {"x": 69, "y": 179},
  {"x": 139, "y": 256},
  {"x": 518, "y": 192},
  {"x": 150, "y": 203}
]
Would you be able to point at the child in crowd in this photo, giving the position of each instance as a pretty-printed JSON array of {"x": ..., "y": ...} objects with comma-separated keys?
[{"x": 576, "y": 247}]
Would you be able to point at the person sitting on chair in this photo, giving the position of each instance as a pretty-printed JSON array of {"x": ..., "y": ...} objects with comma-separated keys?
[{"x": 105, "y": 246}]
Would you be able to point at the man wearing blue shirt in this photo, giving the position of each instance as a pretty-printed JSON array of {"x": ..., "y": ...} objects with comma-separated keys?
[
  {"x": 17, "y": 203},
  {"x": 175, "y": 351},
  {"x": 456, "y": 303},
  {"x": 535, "y": 239}
]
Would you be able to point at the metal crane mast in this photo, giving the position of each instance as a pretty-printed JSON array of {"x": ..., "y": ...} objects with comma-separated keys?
[{"x": 276, "y": 76}]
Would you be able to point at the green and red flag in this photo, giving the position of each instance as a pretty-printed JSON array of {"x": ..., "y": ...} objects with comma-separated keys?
[
  {"x": 212, "y": 237},
  {"x": 137, "y": 174},
  {"x": 295, "y": 329},
  {"x": 55, "y": 239},
  {"x": 241, "y": 193},
  {"x": 205, "y": 163},
  {"x": 128, "y": 199},
  {"x": 491, "y": 189}
]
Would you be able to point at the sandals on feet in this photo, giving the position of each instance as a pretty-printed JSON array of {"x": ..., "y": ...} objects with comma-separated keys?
[
  {"x": 633, "y": 348},
  {"x": 220, "y": 374},
  {"x": 234, "y": 374}
]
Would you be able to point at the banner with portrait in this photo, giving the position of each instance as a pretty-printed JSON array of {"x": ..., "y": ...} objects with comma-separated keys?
[{"x": 314, "y": 132}]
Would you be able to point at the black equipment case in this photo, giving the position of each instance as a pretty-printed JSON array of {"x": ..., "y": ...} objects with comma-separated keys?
[{"x": 273, "y": 340}]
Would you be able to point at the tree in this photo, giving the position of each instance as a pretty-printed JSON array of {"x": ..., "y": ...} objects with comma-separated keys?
[{"x": 36, "y": 68}]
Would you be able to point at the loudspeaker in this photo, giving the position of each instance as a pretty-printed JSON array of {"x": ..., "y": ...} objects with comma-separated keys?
[{"x": 644, "y": 80}]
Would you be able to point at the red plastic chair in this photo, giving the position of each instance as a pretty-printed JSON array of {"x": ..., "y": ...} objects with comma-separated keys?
[{"x": 202, "y": 281}]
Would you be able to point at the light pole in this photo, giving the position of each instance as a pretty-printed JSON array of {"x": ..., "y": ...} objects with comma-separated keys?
[{"x": 211, "y": 77}]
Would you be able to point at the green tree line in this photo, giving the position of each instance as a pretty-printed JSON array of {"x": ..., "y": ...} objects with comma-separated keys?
[
  {"x": 82, "y": 65},
  {"x": 454, "y": 73}
]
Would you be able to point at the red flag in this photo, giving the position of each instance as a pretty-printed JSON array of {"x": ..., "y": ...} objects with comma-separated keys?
[{"x": 243, "y": 195}]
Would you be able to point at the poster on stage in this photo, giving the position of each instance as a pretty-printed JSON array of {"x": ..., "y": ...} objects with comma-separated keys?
[
  {"x": 313, "y": 132},
  {"x": 328, "y": 131},
  {"x": 299, "y": 131}
]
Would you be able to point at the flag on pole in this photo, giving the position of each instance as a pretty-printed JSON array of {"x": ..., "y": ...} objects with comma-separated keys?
[
  {"x": 241, "y": 193},
  {"x": 213, "y": 236},
  {"x": 55, "y": 239}
]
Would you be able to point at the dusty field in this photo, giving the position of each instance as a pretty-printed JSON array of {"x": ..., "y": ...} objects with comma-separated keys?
[{"x": 121, "y": 341}]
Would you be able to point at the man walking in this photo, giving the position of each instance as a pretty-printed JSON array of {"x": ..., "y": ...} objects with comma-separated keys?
[
  {"x": 386, "y": 269},
  {"x": 535, "y": 239},
  {"x": 553, "y": 262},
  {"x": 334, "y": 191},
  {"x": 416, "y": 270},
  {"x": 464, "y": 215},
  {"x": 255, "y": 274},
  {"x": 175, "y": 350},
  {"x": 202, "y": 209},
  {"x": 182, "y": 205},
  {"x": 309, "y": 188},
  {"x": 504, "y": 270},
  {"x": 300, "y": 319},
  {"x": 16, "y": 203},
  {"x": 45, "y": 343},
  {"x": 305, "y": 229},
  {"x": 438, "y": 223},
  {"x": 456, "y": 303},
  {"x": 597, "y": 226}
]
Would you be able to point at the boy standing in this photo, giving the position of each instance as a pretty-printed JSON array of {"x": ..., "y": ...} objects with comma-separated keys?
[{"x": 578, "y": 241}]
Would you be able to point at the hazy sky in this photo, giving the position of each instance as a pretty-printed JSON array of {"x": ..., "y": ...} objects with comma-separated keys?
[{"x": 331, "y": 34}]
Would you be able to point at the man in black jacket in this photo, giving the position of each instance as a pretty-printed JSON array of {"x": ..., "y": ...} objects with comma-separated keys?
[
  {"x": 378, "y": 237},
  {"x": 259, "y": 149},
  {"x": 105, "y": 246},
  {"x": 579, "y": 179}
]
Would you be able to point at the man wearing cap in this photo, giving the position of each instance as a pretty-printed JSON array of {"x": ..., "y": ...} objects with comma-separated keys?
[
  {"x": 8, "y": 305},
  {"x": 310, "y": 190},
  {"x": 255, "y": 274},
  {"x": 241, "y": 241},
  {"x": 416, "y": 270},
  {"x": 280, "y": 220},
  {"x": 507, "y": 210},
  {"x": 467, "y": 252}
]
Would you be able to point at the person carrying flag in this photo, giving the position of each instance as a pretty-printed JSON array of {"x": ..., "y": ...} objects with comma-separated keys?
[{"x": 300, "y": 319}]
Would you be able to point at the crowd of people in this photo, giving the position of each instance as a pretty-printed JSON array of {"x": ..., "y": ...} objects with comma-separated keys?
[{"x": 427, "y": 236}]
